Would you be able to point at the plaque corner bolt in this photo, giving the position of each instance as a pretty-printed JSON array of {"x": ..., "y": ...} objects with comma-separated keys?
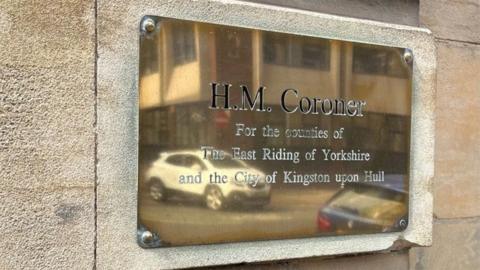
[
  {"x": 147, "y": 237},
  {"x": 408, "y": 56},
  {"x": 148, "y": 25}
]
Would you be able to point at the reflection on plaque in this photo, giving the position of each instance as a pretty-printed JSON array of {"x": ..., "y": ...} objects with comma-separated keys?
[{"x": 251, "y": 135}]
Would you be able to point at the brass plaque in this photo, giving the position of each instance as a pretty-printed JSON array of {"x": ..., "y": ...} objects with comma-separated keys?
[{"x": 251, "y": 135}]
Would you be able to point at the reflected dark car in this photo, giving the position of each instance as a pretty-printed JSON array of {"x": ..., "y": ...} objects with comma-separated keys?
[{"x": 361, "y": 208}]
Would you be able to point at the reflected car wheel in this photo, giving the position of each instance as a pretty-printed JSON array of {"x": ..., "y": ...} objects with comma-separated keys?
[
  {"x": 214, "y": 198},
  {"x": 157, "y": 190}
]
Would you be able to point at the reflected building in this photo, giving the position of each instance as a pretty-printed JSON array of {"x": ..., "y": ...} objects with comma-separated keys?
[{"x": 180, "y": 62}]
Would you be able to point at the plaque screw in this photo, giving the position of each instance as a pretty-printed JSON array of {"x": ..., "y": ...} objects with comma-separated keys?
[
  {"x": 403, "y": 223},
  {"x": 148, "y": 25},
  {"x": 147, "y": 237},
  {"x": 408, "y": 56}
]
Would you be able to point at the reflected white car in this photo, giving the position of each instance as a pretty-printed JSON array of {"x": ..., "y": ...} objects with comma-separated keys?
[{"x": 217, "y": 182}]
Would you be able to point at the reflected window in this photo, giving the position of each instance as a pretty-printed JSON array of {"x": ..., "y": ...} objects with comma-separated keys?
[
  {"x": 193, "y": 161},
  {"x": 189, "y": 121},
  {"x": 273, "y": 121},
  {"x": 146, "y": 123},
  {"x": 183, "y": 43},
  {"x": 296, "y": 51},
  {"x": 227, "y": 163},
  {"x": 397, "y": 133},
  {"x": 155, "y": 126},
  {"x": 275, "y": 49},
  {"x": 378, "y": 61},
  {"x": 234, "y": 45},
  {"x": 176, "y": 160},
  {"x": 315, "y": 55},
  {"x": 149, "y": 57}
]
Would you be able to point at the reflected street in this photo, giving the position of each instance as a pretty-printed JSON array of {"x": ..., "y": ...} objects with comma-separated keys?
[{"x": 287, "y": 216}]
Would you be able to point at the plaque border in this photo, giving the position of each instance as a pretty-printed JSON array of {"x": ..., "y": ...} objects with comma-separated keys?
[{"x": 118, "y": 34}]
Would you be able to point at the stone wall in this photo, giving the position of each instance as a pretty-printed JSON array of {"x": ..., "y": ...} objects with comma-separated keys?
[
  {"x": 456, "y": 234},
  {"x": 48, "y": 134}
]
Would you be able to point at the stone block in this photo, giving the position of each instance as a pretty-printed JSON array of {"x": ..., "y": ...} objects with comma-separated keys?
[
  {"x": 47, "y": 136},
  {"x": 391, "y": 261},
  {"x": 455, "y": 246},
  {"x": 390, "y": 11},
  {"x": 46, "y": 228},
  {"x": 457, "y": 149},
  {"x": 457, "y": 20}
]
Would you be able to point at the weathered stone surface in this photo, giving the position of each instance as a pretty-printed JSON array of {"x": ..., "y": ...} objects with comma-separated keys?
[
  {"x": 457, "y": 167},
  {"x": 48, "y": 34},
  {"x": 391, "y": 261},
  {"x": 46, "y": 228},
  {"x": 458, "y": 20},
  {"x": 47, "y": 143},
  {"x": 118, "y": 27},
  {"x": 391, "y": 11},
  {"x": 455, "y": 246}
]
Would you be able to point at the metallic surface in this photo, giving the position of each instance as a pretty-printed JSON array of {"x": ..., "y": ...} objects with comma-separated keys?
[
  {"x": 148, "y": 24},
  {"x": 147, "y": 237},
  {"x": 118, "y": 134},
  {"x": 408, "y": 56},
  {"x": 184, "y": 60}
]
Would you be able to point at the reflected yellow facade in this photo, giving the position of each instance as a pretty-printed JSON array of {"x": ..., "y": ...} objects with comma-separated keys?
[
  {"x": 180, "y": 61},
  {"x": 176, "y": 82}
]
